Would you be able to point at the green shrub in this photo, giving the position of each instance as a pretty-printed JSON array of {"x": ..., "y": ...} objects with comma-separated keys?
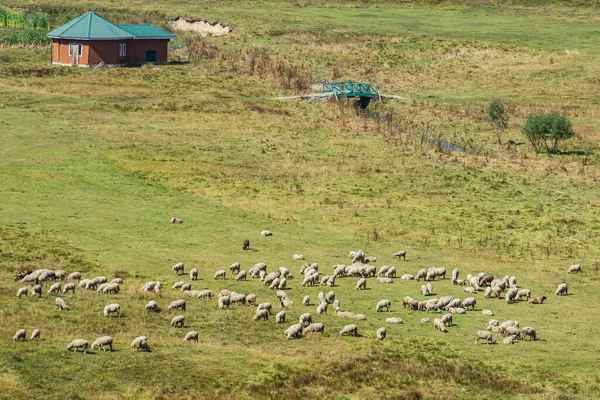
[
  {"x": 547, "y": 131},
  {"x": 498, "y": 117}
]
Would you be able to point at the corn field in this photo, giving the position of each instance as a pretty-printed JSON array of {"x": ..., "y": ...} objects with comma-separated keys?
[{"x": 29, "y": 20}]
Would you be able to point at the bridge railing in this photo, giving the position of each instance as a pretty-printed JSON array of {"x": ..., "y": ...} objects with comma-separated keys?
[{"x": 350, "y": 89}]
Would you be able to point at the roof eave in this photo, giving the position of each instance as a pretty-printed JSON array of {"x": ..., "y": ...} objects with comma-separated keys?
[
  {"x": 154, "y": 37},
  {"x": 88, "y": 39}
]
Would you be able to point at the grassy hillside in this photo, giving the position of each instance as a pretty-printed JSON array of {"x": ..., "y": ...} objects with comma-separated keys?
[{"x": 95, "y": 162}]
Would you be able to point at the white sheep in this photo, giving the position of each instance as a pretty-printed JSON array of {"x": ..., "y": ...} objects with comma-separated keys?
[
  {"x": 438, "y": 325},
  {"x": 178, "y": 268},
  {"x": 251, "y": 299},
  {"x": 336, "y": 305},
  {"x": 488, "y": 313},
  {"x": 574, "y": 269},
  {"x": 186, "y": 286},
  {"x": 523, "y": 293},
  {"x": 361, "y": 284},
  {"x": 381, "y": 304},
  {"x": 220, "y": 274},
  {"x": 322, "y": 308},
  {"x": 298, "y": 257},
  {"x": 237, "y": 298},
  {"x": 401, "y": 253},
  {"x": 469, "y": 302},
  {"x": 391, "y": 273},
  {"x": 306, "y": 300},
  {"x": 37, "y": 289},
  {"x": 67, "y": 287},
  {"x": 314, "y": 328},
  {"x": 224, "y": 302},
  {"x": 282, "y": 284},
  {"x": 383, "y": 270},
  {"x": 561, "y": 290},
  {"x": 178, "y": 321},
  {"x": 191, "y": 336},
  {"x": 141, "y": 343},
  {"x": 407, "y": 277},
  {"x": 384, "y": 280},
  {"x": 178, "y": 285},
  {"x": 177, "y": 304},
  {"x": 74, "y": 276},
  {"x": 264, "y": 306},
  {"x": 103, "y": 341},
  {"x": 241, "y": 276},
  {"x": 205, "y": 294},
  {"x": 381, "y": 333},
  {"x": 351, "y": 315},
  {"x": 194, "y": 274},
  {"x": 350, "y": 330},
  {"x": 22, "y": 292},
  {"x": 528, "y": 331},
  {"x": 261, "y": 314},
  {"x": 176, "y": 221},
  {"x": 305, "y": 318},
  {"x": 485, "y": 335},
  {"x": 112, "y": 308},
  {"x": 55, "y": 288},
  {"x": 294, "y": 331},
  {"x": 35, "y": 334},
  {"x": 424, "y": 320},
  {"x": 152, "y": 306},
  {"x": 280, "y": 317},
  {"x": 447, "y": 319},
  {"x": 60, "y": 303},
  {"x": 21, "y": 334},
  {"x": 394, "y": 320},
  {"x": 266, "y": 233},
  {"x": 78, "y": 344},
  {"x": 509, "y": 339}
]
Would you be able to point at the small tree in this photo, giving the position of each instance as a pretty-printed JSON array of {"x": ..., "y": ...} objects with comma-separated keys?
[
  {"x": 498, "y": 117},
  {"x": 547, "y": 130}
]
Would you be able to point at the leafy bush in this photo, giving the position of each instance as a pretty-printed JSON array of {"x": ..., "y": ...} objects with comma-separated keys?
[
  {"x": 498, "y": 117},
  {"x": 547, "y": 130}
]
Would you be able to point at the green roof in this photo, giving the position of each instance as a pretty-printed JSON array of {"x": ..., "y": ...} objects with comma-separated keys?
[
  {"x": 146, "y": 31},
  {"x": 91, "y": 26}
]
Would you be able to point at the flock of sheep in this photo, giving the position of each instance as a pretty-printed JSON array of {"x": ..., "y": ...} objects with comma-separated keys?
[{"x": 278, "y": 281}]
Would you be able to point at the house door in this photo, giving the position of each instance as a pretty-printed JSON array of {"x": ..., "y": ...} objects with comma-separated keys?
[
  {"x": 151, "y": 56},
  {"x": 74, "y": 54}
]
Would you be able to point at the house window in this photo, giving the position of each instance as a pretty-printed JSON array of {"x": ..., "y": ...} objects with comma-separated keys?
[
  {"x": 71, "y": 45},
  {"x": 122, "y": 50}
]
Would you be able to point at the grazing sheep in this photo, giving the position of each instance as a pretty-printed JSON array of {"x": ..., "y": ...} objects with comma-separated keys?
[
  {"x": 21, "y": 334},
  {"x": 361, "y": 284},
  {"x": 178, "y": 321},
  {"x": 280, "y": 317},
  {"x": 241, "y": 276},
  {"x": 148, "y": 286},
  {"x": 383, "y": 270},
  {"x": 186, "y": 286},
  {"x": 78, "y": 344},
  {"x": 35, "y": 334},
  {"x": 251, "y": 299},
  {"x": 424, "y": 320},
  {"x": 486, "y": 280},
  {"x": 401, "y": 253},
  {"x": 469, "y": 302},
  {"x": 286, "y": 303},
  {"x": 359, "y": 257},
  {"x": 224, "y": 302},
  {"x": 60, "y": 303},
  {"x": 261, "y": 314},
  {"x": 141, "y": 343},
  {"x": 455, "y": 273},
  {"x": 381, "y": 333},
  {"x": 528, "y": 331},
  {"x": 351, "y": 315},
  {"x": 298, "y": 257},
  {"x": 177, "y": 304},
  {"x": 574, "y": 269},
  {"x": 274, "y": 284},
  {"x": 37, "y": 289},
  {"x": 372, "y": 271},
  {"x": 330, "y": 297},
  {"x": 176, "y": 221},
  {"x": 537, "y": 300},
  {"x": 409, "y": 302},
  {"x": 22, "y": 292},
  {"x": 111, "y": 288},
  {"x": 305, "y": 318},
  {"x": 280, "y": 294},
  {"x": 391, "y": 273},
  {"x": 512, "y": 281},
  {"x": 306, "y": 300},
  {"x": 265, "y": 306},
  {"x": 438, "y": 325},
  {"x": 511, "y": 330},
  {"x": 103, "y": 341},
  {"x": 152, "y": 306},
  {"x": 447, "y": 319},
  {"x": 314, "y": 328},
  {"x": 349, "y": 330},
  {"x": 324, "y": 280},
  {"x": 336, "y": 305},
  {"x": 282, "y": 284},
  {"x": 220, "y": 274},
  {"x": 266, "y": 233},
  {"x": 205, "y": 294},
  {"x": 191, "y": 335},
  {"x": 246, "y": 245},
  {"x": 485, "y": 335},
  {"x": 488, "y": 292},
  {"x": 237, "y": 298},
  {"x": 322, "y": 308},
  {"x": 112, "y": 308},
  {"x": 381, "y": 304},
  {"x": 562, "y": 290},
  {"x": 432, "y": 304},
  {"x": 394, "y": 320},
  {"x": 178, "y": 268},
  {"x": 55, "y": 288},
  {"x": 117, "y": 281},
  {"x": 426, "y": 289},
  {"x": 69, "y": 286},
  {"x": 74, "y": 276},
  {"x": 511, "y": 295},
  {"x": 523, "y": 293},
  {"x": 294, "y": 331},
  {"x": 422, "y": 274},
  {"x": 194, "y": 274},
  {"x": 509, "y": 339}
]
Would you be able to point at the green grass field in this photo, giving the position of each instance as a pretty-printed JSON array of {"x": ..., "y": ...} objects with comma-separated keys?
[{"x": 94, "y": 163}]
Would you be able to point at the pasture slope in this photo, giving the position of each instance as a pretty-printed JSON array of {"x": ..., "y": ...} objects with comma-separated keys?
[{"x": 94, "y": 163}]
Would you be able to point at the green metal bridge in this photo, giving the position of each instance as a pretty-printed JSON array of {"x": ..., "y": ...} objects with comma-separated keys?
[{"x": 365, "y": 91}]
